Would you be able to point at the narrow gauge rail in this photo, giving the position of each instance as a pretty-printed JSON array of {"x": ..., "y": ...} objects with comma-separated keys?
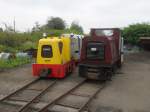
[
  {"x": 31, "y": 87},
  {"x": 74, "y": 91},
  {"x": 24, "y": 87},
  {"x": 44, "y": 108}
]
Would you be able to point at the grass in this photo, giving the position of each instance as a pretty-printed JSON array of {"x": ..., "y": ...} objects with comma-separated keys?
[{"x": 11, "y": 63}]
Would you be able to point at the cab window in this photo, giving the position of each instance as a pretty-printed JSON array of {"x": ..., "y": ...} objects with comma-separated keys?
[
  {"x": 102, "y": 32},
  {"x": 46, "y": 51},
  {"x": 95, "y": 51},
  {"x": 60, "y": 45}
]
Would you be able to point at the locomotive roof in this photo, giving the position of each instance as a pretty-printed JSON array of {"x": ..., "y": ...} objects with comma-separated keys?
[
  {"x": 105, "y": 28},
  {"x": 50, "y": 39},
  {"x": 144, "y": 38}
]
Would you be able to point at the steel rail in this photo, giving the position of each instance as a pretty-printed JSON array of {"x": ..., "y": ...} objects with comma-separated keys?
[
  {"x": 19, "y": 90},
  {"x": 90, "y": 98},
  {"x": 23, "y": 108},
  {"x": 80, "y": 109},
  {"x": 44, "y": 109}
]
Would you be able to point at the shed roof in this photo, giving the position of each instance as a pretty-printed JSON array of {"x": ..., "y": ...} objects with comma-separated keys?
[{"x": 143, "y": 38}]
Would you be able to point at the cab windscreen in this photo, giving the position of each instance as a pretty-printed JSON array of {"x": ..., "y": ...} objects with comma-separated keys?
[
  {"x": 46, "y": 51},
  {"x": 95, "y": 51}
]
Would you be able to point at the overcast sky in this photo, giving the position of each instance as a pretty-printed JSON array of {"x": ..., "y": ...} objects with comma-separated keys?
[{"x": 89, "y": 13}]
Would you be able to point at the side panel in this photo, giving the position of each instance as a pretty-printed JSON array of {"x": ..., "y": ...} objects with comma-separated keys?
[
  {"x": 122, "y": 52},
  {"x": 108, "y": 52},
  {"x": 66, "y": 49}
]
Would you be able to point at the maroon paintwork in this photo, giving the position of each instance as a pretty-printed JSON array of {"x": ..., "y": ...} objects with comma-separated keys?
[
  {"x": 111, "y": 43},
  {"x": 112, "y": 51}
]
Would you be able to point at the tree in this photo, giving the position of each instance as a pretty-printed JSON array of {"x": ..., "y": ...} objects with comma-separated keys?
[
  {"x": 76, "y": 27},
  {"x": 56, "y": 23},
  {"x": 1, "y": 29},
  {"x": 133, "y": 32},
  {"x": 10, "y": 29},
  {"x": 36, "y": 27}
]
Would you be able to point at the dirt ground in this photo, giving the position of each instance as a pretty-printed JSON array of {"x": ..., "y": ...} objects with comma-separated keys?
[
  {"x": 11, "y": 80},
  {"x": 128, "y": 91}
]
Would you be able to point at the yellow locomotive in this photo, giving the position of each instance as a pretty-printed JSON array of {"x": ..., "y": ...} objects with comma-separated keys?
[{"x": 53, "y": 57}]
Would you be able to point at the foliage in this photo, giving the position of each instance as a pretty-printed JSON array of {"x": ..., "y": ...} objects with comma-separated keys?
[
  {"x": 1, "y": 29},
  {"x": 56, "y": 23},
  {"x": 29, "y": 45},
  {"x": 76, "y": 28},
  {"x": 14, "y": 62},
  {"x": 36, "y": 27},
  {"x": 133, "y": 32},
  {"x": 13, "y": 42},
  {"x": 58, "y": 33}
]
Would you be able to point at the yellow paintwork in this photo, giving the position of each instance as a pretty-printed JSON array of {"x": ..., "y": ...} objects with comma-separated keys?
[
  {"x": 66, "y": 49},
  {"x": 57, "y": 57}
]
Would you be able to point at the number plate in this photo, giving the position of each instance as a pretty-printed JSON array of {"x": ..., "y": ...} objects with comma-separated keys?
[{"x": 92, "y": 75}]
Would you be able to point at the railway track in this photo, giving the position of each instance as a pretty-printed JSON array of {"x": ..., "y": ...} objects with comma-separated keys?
[
  {"x": 20, "y": 95},
  {"x": 75, "y": 99},
  {"x": 82, "y": 97}
]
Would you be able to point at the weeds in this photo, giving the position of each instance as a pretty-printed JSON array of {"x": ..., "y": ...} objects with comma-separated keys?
[{"x": 10, "y": 63}]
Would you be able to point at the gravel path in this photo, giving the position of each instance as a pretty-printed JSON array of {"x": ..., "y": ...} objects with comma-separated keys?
[{"x": 13, "y": 79}]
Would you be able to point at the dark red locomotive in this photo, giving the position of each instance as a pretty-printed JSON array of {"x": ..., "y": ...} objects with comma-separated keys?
[{"x": 100, "y": 53}]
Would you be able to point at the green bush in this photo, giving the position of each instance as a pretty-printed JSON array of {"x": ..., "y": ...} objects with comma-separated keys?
[
  {"x": 4, "y": 48},
  {"x": 28, "y": 45},
  {"x": 10, "y": 63},
  {"x": 59, "y": 32},
  {"x": 133, "y": 32},
  {"x": 14, "y": 42}
]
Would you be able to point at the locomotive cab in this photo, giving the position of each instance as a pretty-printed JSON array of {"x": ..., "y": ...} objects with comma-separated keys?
[
  {"x": 50, "y": 52},
  {"x": 100, "y": 54},
  {"x": 49, "y": 56}
]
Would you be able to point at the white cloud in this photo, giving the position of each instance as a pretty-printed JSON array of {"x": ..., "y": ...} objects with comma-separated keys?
[{"x": 92, "y": 13}]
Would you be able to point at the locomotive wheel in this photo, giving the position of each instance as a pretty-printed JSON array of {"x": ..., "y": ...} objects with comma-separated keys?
[
  {"x": 81, "y": 71},
  {"x": 119, "y": 64},
  {"x": 114, "y": 68},
  {"x": 107, "y": 75},
  {"x": 70, "y": 68}
]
